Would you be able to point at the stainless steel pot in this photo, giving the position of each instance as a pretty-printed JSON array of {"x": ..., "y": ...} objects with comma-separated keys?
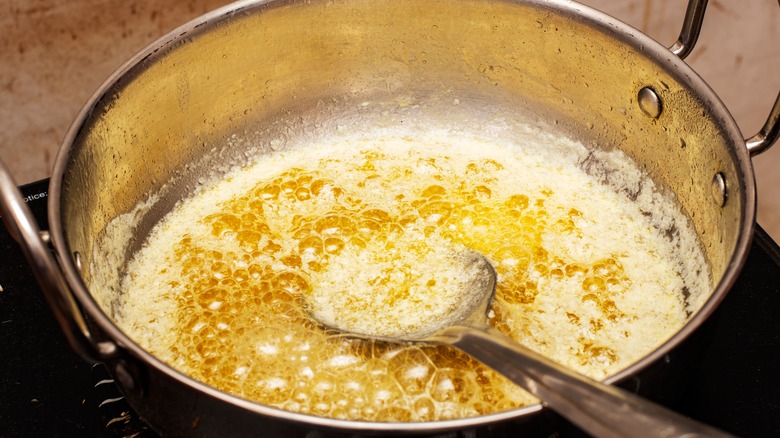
[{"x": 275, "y": 69}]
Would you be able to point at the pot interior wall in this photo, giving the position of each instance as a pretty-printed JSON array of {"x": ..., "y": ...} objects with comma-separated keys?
[{"x": 274, "y": 68}]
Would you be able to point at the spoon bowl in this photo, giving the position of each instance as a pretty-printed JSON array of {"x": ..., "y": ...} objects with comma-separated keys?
[{"x": 475, "y": 286}]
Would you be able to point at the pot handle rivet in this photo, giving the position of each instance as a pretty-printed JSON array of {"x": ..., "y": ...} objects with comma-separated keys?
[
  {"x": 77, "y": 260},
  {"x": 719, "y": 193},
  {"x": 649, "y": 102}
]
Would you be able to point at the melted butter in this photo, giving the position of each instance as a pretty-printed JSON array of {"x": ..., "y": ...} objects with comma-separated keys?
[{"x": 218, "y": 290}]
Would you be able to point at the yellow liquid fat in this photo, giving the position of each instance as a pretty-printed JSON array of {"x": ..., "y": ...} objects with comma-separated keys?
[{"x": 218, "y": 290}]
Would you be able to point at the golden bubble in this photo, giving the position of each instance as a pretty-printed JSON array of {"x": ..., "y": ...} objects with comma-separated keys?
[
  {"x": 369, "y": 226},
  {"x": 311, "y": 245},
  {"x": 269, "y": 192},
  {"x": 291, "y": 282},
  {"x": 452, "y": 385},
  {"x": 333, "y": 245},
  {"x": 591, "y": 297},
  {"x": 291, "y": 261},
  {"x": 519, "y": 202},
  {"x": 274, "y": 389},
  {"x": 424, "y": 409},
  {"x": 434, "y": 190},
  {"x": 288, "y": 187},
  {"x": 412, "y": 370},
  {"x": 593, "y": 284},
  {"x": 575, "y": 269},
  {"x": 302, "y": 194}
]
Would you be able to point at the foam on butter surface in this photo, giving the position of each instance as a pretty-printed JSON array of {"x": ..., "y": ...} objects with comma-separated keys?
[{"x": 584, "y": 276}]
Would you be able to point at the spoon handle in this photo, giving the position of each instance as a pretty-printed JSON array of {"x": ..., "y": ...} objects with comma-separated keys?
[{"x": 599, "y": 409}]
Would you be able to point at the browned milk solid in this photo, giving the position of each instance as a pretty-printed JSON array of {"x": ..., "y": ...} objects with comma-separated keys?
[{"x": 584, "y": 277}]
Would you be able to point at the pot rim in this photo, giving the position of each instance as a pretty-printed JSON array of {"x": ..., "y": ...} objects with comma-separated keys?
[{"x": 610, "y": 26}]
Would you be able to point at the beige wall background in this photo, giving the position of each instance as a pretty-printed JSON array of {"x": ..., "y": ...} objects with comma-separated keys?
[{"x": 55, "y": 53}]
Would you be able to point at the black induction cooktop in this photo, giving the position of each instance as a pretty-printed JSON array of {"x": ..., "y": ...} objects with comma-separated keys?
[{"x": 47, "y": 391}]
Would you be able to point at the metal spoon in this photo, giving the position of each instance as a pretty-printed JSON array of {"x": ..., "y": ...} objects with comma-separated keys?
[{"x": 597, "y": 408}]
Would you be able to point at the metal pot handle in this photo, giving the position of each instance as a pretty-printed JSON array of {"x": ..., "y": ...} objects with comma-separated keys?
[
  {"x": 768, "y": 134},
  {"x": 694, "y": 17},
  {"x": 22, "y": 226}
]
